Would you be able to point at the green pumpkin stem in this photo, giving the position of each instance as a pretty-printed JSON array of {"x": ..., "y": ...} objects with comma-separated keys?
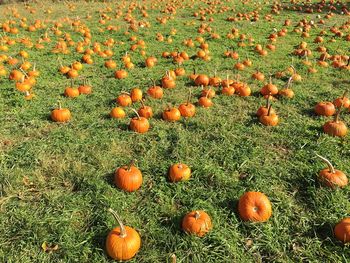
[
  {"x": 121, "y": 225},
  {"x": 330, "y": 166},
  {"x": 59, "y": 105}
]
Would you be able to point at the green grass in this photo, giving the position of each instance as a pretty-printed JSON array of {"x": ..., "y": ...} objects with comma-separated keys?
[{"x": 56, "y": 180}]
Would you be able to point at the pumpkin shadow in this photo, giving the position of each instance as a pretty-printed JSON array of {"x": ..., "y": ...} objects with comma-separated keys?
[{"x": 173, "y": 224}]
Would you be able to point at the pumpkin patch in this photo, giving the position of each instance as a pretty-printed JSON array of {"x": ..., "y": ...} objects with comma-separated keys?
[{"x": 236, "y": 113}]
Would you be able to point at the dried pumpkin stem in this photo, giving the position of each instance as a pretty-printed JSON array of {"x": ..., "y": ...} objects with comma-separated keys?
[
  {"x": 268, "y": 101},
  {"x": 138, "y": 115},
  {"x": 121, "y": 225},
  {"x": 336, "y": 118},
  {"x": 196, "y": 215},
  {"x": 269, "y": 110},
  {"x": 59, "y": 104},
  {"x": 189, "y": 97},
  {"x": 173, "y": 258},
  {"x": 330, "y": 166}
]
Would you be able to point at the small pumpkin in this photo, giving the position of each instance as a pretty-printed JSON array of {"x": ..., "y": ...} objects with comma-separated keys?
[
  {"x": 342, "y": 101},
  {"x": 122, "y": 242},
  {"x": 179, "y": 172},
  {"x": 124, "y": 99},
  {"x": 145, "y": 111},
  {"x": 330, "y": 176},
  {"x": 168, "y": 82},
  {"x": 171, "y": 114},
  {"x": 197, "y": 223},
  {"x": 201, "y": 80},
  {"x": 269, "y": 119},
  {"x": 342, "y": 230},
  {"x": 136, "y": 94},
  {"x": 269, "y": 88},
  {"x": 85, "y": 88},
  {"x": 336, "y": 127},
  {"x": 60, "y": 114},
  {"x": 120, "y": 74},
  {"x": 187, "y": 109},
  {"x": 117, "y": 113},
  {"x": 325, "y": 108},
  {"x": 263, "y": 110},
  {"x": 155, "y": 92},
  {"x": 255, "y": 207},
  {"x": 139, "y": 124},
  {"x": 128, "y": 177}
]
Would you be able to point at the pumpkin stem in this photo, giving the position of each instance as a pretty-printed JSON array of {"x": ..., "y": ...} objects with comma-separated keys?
[
  {"x": 268, "y": 101},
  {"x": 138, "y": 115},
  {"x": 196, "y": 215},
  {"x": 154, "y": 82},
  {"x": 71, "y": 83},
  {"x": 269, "y": 110},
  {"x": 173, "y": 258},
  {"x": 132, "y": 163},
  {"x": 189, "y": 97},
  {"x": 59, "y": 104},
  {"x": 330, "y": 166},
  {"x": 344, "y": 94},
  {"x": 336, "y": 118},
  {"x": 121, "y": 225},
  {"x": 180, "y": 166},
  {"x": 142, "y": 102},
  {"x": 206, "y": 95}
]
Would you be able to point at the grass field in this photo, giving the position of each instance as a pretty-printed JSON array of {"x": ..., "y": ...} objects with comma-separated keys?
[{"x": 56, "y": 179}]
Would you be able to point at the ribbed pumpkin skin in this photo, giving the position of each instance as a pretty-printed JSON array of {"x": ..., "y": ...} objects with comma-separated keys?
[
  {"x": 128, "y": 179},
  {"x": 140, "y": 125},
  {"x": 269, "y": 120},
  {"x": 254, "y": 206},
  {"x": 60, "y": 115},
  {"x": 325, "y": 109},
  {"x": 342, "y": 230},
  {"x": 198, "y": 227},
  {"x": 187, "y": 110},
  {"x": 335, "y": 128},
  {"x": 337, "y": 179},
  {"x": 123, "y": 248}
]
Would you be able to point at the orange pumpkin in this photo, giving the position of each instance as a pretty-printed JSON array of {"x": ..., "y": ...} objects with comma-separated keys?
[
  {"x": 197, "y": 223},
  {"x": 179, "y": 172},
  {"x": 139, "y": 124},
  {"x": 342, "y": 230},
  {"x": 155, "y": 92},
  {"x": 171, "y": 114},
  {"x": 201, "y": 79},
  {"x": 325, "y": 108},
  {"x": 60, "y": 114},
  {"x": 117, "y": 113},
  {"x": 128, "y": 178},
  {"x": 124, "y": 100},
  {"x": 254, "y": 206},
  {"x": 136, "y": 94},
  {"x": 330, "y": 176},
  {"x": 122, "y": 242},
  {"x": 335, "y": 127}
]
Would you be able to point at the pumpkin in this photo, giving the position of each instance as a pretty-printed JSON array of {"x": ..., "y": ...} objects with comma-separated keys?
[
  {"x": 139, "y": 124},
  {"x": 205, "y": 102},
  {"x": 342, "y": 230},
  {"x": 72, "y": 73},
  {"x": 128, "y": 178},
  {"x": 209, "y": 93},
  {"x": 263, "y": 110},
  {"x": 110, "y": 64},
  {"x": 201, "y": 80},
  {"x": 214, "y": 81},
  {"x": 120, "y": 74},
  {"x": 60, "y": 114},
  {"x": 145, "y": 111},
  {"x": 187, "y": 109},
  {"x": 179, "y": 172},
  {"x": 123, "y": 242},
  {"x": 342, "y": 101},
  {"x": 197, "y": 223},
  {"x": 155, "y": 92},
  {"x": 269, "y": 119},
  {"x": 336, "y": 127},
  {"x": 325, "y": 108},
  {"x": 85, "y": 88},
  {"x": 269, "y": 89},
  {"x": 171, "y": 114},
  {"x": 168, "y": 82},
  {"x": 124, "y": 100},
  {"x": 71, "y": 92},
  {"x": 254, "y": 206},
  {"x": 16, "y": 75},
  {"x": 117, "y": 113},
  {"x": 136, "y": 94},
  {"x": 330, "y": 176},
  {"x": 244, "y": 90}
]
